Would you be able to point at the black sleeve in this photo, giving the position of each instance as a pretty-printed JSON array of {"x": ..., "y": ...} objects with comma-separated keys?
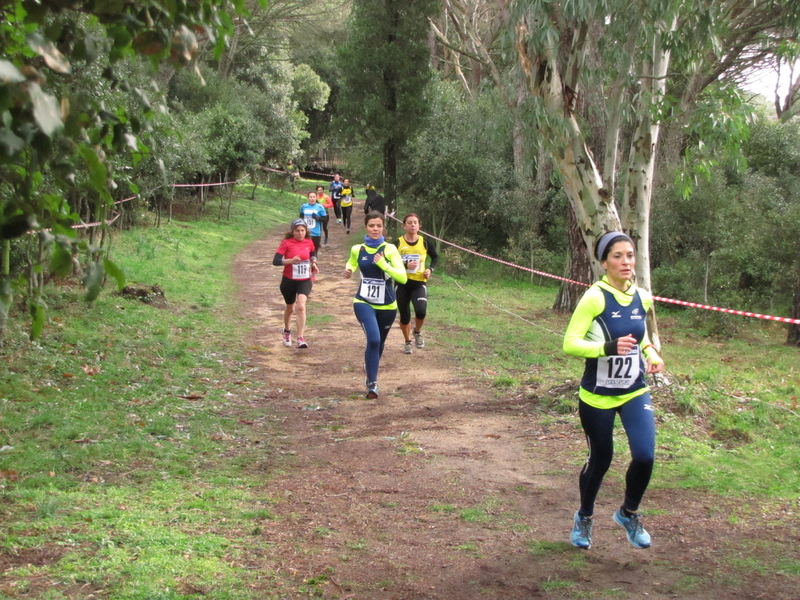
[
  {"x": 278, "y": 260},
  {"x": 432, "y": 252}
]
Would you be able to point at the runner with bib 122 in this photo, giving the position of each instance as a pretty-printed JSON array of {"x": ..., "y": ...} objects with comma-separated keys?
[{"x": 608, "y": 330}]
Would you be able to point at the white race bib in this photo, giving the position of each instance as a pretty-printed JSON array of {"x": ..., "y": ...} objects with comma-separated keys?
[
  {"x": 618, "y": 372},
  {"x": 407, "y": 258},
  {"x": 301, "y": 270},
  {"x": 309, "y": 219},
  {"x": 373, "y": 290}
]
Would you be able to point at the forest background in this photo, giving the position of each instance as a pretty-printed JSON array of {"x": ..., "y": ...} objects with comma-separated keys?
[
  {"x": 459, "y": 108},
  {"x": 520, "y": 129}
]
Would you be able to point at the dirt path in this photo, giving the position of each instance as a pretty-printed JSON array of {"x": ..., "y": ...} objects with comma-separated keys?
[{"x": 443, "y": 489}]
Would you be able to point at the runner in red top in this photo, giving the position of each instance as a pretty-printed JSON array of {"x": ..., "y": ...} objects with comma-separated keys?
[{"x": 297, "y": 256}]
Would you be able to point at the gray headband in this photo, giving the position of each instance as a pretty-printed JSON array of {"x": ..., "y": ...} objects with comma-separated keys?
[{"x": 607, "y": 239}]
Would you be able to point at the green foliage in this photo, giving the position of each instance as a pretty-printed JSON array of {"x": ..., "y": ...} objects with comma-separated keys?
[
  {"x": 459, "y": 176},
  {"x": 309, "y": 91},
  {"x": 384, "y": 64},
  {"x": 385, "y": 70},
  {"x": 733, "y": 241},
  {"x": 72, "y": 116}
]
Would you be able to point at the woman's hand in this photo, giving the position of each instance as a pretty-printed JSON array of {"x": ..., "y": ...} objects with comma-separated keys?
[
  {"x": 654, "y": 367},
  {"x": 348, "y": 273},
  {"x": 412, "y": 265},
  {"x": 314, "y": 267},
  {"x": 625, "y": 344},
  {"x": 293, "y": 261},
  {"x": 427, "y": 274},
  {"x": 378, "y": 257}
]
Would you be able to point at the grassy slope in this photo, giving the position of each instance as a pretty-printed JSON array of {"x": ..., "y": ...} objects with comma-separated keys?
[{"x": 115, "y": 426}]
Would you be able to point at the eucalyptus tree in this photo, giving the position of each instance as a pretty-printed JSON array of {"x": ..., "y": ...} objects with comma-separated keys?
[
  {"x": 626, "y": 49},
  {"x": 385, "y": 65}
]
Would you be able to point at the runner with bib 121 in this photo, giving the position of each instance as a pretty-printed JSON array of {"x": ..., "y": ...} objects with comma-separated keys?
[
  {"x": 375, "y": 305},
  {"x": 608, "y": 330}
]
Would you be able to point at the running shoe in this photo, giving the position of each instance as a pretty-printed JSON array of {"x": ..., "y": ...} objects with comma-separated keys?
[
  {"x": 347, "y": 231},
  {"x": 338, "y": 220},
  {"x": 287, "y": 338},
  {"x": 301, "y": 342},
  {"x": 325, "y": 241},
  {"x": 409, "y": 347},
  {"x": 372, "y": 390},
  {"x": 637, "y": 535},
  {"x": 418, "y": 339},
  {"x": 581, "y": 535}
]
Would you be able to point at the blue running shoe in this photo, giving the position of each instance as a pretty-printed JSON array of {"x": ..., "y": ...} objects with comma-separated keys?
[
  {"x": 581, "y": 535},
  {"x": 637, "y": 535}
]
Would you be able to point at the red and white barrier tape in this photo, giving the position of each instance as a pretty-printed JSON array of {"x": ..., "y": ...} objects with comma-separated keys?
[
  {"x": 176, "y": 185},
  {"x": 731, "y": 311},
  {"x": 183, "y": 185}
]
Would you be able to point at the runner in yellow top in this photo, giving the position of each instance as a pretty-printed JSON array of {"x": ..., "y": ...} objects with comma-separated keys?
[
  {"x": 420, "y": 259},
  {"x": 608, "y": 330},
  {"x": 346, "y": 204}
]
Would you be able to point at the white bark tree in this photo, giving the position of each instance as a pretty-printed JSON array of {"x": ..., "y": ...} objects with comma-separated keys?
[{"x": 632, "y": 44}]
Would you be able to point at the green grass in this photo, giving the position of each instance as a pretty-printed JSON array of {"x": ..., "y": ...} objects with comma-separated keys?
[
  {"x": 115, "y": 418},
  {"x": 726, "y": 421}
]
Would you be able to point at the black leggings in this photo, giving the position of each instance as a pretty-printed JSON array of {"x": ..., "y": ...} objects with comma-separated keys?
[
  {"x": 324, "y": 221},
  {"x": 598, "y": 424},
  {"x": 412, "y": 292},
  {"x": 346, "y": 212},
  {"x": 337, "y": 210}
]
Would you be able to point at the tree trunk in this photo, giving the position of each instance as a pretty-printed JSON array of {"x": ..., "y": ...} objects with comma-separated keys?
[
  {"x": 594, "y": 208},
  {"x": 635, "y": 209},
  {"x": 6, "y": 296},
  {"x": 579, "y": 269},
  {"x": 793, "y": 339},
  {"x": 390, "y": 180}
]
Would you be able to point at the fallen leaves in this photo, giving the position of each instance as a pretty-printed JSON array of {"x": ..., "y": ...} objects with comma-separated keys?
[{"x": 91, "y": 369}]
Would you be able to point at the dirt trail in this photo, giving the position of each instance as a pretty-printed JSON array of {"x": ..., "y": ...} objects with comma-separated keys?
[{"x": 443, "y": 489}]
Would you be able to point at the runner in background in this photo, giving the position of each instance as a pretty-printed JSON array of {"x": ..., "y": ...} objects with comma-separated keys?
[
  {"x": 312, "y": 213},
  {"x": 374, "y": 304},
  {"x": 327, "y": 204},
  {"x": 608, "y": 330},
  {"x": 374, "y": 201},
  {"x": 298, "y": 257},
  {"x": 348, "y": 196},
  {"x": 292, "y": 173},
  {"x": 335, "y": 188},
  {"x": 420, "y": 259}
]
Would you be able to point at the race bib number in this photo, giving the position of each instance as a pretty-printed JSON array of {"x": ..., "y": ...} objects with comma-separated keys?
[
  {"x": 373, "y": 290},
  {"x": 309, "y": 219},
  {"x": 301, "y": 270},
  {"x": 618, "y": 372},
  {"x": 407, "y": 258}
]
